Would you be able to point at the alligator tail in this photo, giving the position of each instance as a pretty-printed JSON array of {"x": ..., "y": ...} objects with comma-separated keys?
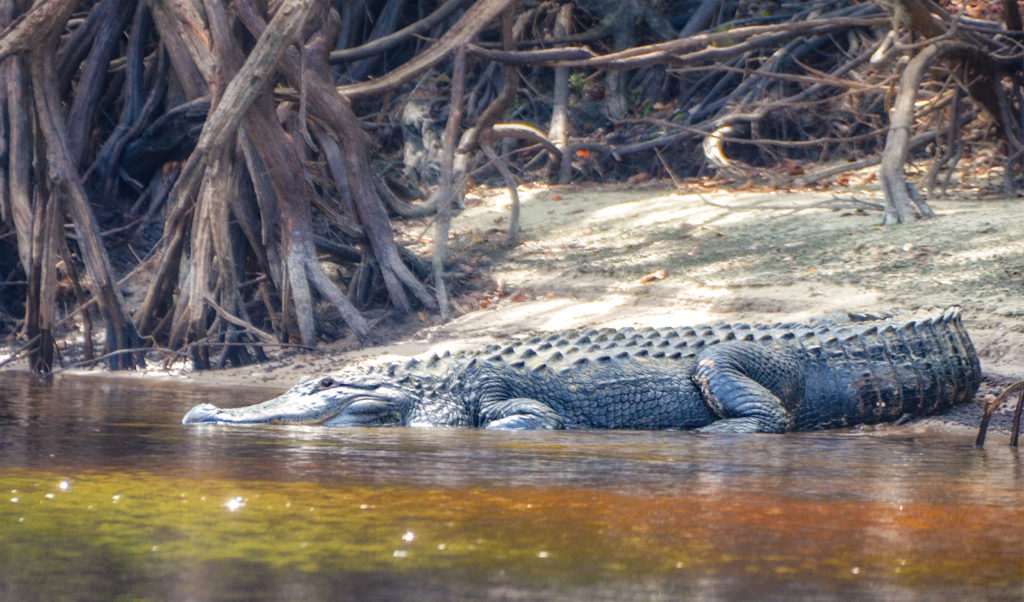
[{"x": 882, "y": 371}]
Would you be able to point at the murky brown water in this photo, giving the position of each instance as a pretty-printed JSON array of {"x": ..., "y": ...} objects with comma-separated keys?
[{"x": 104, "y": 495}]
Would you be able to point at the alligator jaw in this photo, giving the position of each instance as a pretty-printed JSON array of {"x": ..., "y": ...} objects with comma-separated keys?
[
  {"x": 309, "y": 403},
  {"x": 285, "y": 409}
]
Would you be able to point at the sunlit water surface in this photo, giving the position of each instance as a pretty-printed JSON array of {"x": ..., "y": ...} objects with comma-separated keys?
[{"x": 103, "y": 494}]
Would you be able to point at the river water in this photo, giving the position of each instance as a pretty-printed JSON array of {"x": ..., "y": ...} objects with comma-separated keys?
[{"x": 104, "y": 495}]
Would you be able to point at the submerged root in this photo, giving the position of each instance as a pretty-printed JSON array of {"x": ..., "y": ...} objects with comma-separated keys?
[{"x": 990, "y": 408}]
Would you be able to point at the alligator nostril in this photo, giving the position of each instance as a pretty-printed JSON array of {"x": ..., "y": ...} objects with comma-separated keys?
[{"x": 203, "y": 412}]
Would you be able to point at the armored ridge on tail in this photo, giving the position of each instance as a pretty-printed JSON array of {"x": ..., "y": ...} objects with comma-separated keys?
[{"x": 727, "y": 377}]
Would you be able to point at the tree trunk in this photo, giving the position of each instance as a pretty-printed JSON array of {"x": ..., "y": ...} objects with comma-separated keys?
[{"x": 903, "y": 203}]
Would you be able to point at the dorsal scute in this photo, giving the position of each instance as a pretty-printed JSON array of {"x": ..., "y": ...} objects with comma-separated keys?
[{"x": 849, "y": 335}]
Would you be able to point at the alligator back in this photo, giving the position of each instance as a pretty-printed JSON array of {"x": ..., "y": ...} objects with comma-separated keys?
[{"x": 857, "y": 368}]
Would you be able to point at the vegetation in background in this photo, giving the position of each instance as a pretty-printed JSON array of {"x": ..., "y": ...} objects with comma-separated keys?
[{"x": 212, "y": 179}]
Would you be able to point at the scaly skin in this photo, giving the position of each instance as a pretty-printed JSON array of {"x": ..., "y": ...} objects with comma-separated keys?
[{"x": 736, "y": 378}]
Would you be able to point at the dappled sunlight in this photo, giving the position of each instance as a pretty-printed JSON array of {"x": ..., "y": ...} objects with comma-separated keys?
[
  {"x": 987, "y": 253},
  {"x": 560, "y": 314},
  {"x": 611, "y": 255},
  {"x": 690, "y": 208}
]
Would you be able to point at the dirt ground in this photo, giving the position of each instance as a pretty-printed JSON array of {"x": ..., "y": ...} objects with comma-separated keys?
[{"x": 659, "y": 255}]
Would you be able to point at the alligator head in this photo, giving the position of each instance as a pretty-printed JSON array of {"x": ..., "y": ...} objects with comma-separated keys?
[{"x": 363, "y": 400}]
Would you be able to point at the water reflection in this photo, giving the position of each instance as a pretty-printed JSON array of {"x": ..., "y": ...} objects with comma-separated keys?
[{"x": 102, "y": 487}]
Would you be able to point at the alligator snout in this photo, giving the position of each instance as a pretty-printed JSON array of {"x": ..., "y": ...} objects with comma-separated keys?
[{"x": 204, "y": 412}]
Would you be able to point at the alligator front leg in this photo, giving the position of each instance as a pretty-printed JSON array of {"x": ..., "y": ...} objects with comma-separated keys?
[
  {"x": 519, "y": 413},
  {"x": 753, "y": 387}
]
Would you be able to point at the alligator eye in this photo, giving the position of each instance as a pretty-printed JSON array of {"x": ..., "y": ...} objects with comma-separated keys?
[{"x": 326, "y": 382}]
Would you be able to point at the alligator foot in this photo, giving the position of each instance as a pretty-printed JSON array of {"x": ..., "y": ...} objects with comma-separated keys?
[
  {"x": 990, "y": 408},
  {"x": 753, "y": 387},
  {"x": 520, "y": 413}
]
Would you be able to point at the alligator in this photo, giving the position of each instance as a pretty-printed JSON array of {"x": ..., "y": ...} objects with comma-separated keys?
[{"x": 835, "y": 372}]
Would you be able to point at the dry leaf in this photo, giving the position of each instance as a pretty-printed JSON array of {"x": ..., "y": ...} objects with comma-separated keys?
[{"x": 653, "y": 276}]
